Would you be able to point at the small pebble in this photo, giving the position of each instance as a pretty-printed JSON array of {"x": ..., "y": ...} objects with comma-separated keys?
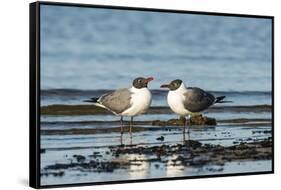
[{"x": 160, "y": 138}]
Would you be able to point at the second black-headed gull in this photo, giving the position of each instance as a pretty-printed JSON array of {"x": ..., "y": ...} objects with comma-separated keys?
[
  {"x": 127, "y": 101},
  {"x": 189, "y": 101}
]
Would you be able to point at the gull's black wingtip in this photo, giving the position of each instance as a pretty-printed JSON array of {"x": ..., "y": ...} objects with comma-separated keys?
[
  {"x": 220, "y": 100},
  {"x": 92, "y": 100},
  {"x": 87, "y": 101}
]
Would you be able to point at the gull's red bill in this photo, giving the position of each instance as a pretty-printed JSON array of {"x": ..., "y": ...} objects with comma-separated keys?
[{"x": 149, "y": 79}]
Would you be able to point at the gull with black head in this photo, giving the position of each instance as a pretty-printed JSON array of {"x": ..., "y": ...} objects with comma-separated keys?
[
  {"x": 189, "y": 101},
  {"x": 127, "y": 101}
]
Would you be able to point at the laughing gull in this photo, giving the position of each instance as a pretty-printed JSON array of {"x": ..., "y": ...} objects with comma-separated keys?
[
  {"x": 127, "y": 101},
  {"x": 189, "y": 101}
]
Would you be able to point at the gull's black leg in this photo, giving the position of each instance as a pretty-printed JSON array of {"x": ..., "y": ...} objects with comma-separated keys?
[
  {"x": 189, "y": 119},
  {"x": 131, "y": 130},
  {"x": 121, "y": 122},
  {"x": 183, "y": 132},
  {"x": 131, "y": 125},
  {"x": 121, "y": 139},
  {"x": 121, "y": 130}
]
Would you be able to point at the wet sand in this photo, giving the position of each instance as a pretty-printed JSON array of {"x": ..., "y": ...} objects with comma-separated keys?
[
  {"x": 156, "y": 125},
  {"x": 83, "y": 143},
  {"x": 59, "y": 109},
  {"x": 198, "y": 154}
]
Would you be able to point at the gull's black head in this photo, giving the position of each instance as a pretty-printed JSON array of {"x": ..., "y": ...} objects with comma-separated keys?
[
  {"x": 141, "y": 82},
  {"x": 174, "y": 85}
]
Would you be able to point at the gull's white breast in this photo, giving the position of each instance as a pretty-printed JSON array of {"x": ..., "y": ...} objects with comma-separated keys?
[
  {"x": 175, "y": 101},
  {"x": 140, "y": 102}
]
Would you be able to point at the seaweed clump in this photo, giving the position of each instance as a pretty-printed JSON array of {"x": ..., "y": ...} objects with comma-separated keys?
[{"x": 194, "y": 120}]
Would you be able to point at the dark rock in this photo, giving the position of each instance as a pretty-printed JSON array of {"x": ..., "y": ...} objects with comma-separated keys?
[
  {"x": 178, "y": 122},
  {"x": 158, "y": 123},
  {"x": 160, "y": 138},
  {"x": 55, "y": 174},
  {"x": 61, "y": 166},
  {"x": 192, "y": 144},
  {"x": 264, "y": 132},
  {"x": 180, "y": 158},
  {"x": 241, "y": 146},
  {"x": 266, "y": 144},
  {"x": 195, "y": 120},
  {"x": 61, "y": 173},
  {"x": 201, "y": 120},
  {"x": 79, "y": 158},
  {"x": 215, "y": 170},
  {"x": 96, "y": 155}
]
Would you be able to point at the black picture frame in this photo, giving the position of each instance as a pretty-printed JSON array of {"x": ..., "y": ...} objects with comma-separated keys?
[{"x": 34, "y": 98}]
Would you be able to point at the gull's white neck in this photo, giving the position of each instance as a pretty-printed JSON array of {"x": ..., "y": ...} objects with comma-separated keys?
[
  {"x": 175, "y": 100},
  {"x": 181, "y": 89},
  {"x": 138, "y": 90}
]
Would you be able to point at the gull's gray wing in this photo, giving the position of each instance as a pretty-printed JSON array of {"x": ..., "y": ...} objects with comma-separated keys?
[
  {"x": 197, "y": 100},
  {"x": 116, "y": 101}
]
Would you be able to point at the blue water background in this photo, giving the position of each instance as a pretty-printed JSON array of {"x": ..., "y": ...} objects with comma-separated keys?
[{"x": 90, "y": 49}]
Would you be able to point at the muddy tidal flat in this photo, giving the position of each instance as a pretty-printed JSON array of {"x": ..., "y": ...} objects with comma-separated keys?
[{"x": 82, "y": 143}]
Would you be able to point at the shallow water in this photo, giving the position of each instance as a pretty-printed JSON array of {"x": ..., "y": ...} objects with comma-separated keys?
[
  {"x": 88, "y": 52},
  {"x": 141, "y": 172},
  {"x": 60, "y": 149}
]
